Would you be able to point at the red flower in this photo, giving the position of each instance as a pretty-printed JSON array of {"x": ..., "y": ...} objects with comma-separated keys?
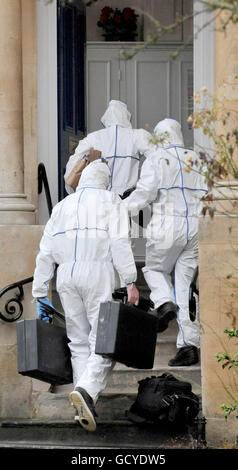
[
  {"x": 128, "y": 14},
  {"x": 105, "y": 13},
  {"x": 103, "y": 18},
  {"x": 117, "y": 19},
  {"x": 107, "y": 10}
]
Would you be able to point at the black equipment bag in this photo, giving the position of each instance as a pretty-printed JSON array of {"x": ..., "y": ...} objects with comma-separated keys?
[
  {"x": 43, "y": 352},
  {"x": 126, "y": 334},
  {"x": 164, "y": 399}
]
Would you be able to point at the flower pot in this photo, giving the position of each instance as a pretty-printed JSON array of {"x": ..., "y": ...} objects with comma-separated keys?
[{"x": 119, "y": 36}]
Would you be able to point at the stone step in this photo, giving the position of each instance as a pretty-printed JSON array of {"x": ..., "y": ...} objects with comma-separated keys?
[
  {"x": 58, "y": 407},
  {"x": 111, "y": 404},
  {"x": 125, "y": 379},
  {"x": 119, "y": 434}
]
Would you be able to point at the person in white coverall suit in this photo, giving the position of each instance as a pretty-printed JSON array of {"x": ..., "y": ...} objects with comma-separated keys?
[
  {"x": 120, "y": 145},
  {"x": 170, "y": 180},
  {"x": 87, "y": 237}
]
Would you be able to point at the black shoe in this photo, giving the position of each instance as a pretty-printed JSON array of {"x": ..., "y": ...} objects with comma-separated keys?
[
  {"x": 165, "y": 313},
  {"x": 186, "y": 356},
  {"x": 85, "y": 408}
]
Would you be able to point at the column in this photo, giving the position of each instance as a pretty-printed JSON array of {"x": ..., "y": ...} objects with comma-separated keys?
[{"x": 15, "y": 208}]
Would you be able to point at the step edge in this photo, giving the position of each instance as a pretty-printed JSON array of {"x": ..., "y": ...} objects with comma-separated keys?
[
  {"x": 31, "y": 422},
  {"x": 158, "y": 369}
]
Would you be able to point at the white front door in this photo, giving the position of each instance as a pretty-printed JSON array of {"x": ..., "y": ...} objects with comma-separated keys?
[{"x": 152, "y": 85}]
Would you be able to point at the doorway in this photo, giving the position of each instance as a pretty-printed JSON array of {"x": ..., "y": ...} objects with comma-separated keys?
[
  {"x": 58, "y": 132},
  {"x": 71, "y": 32},
  {"x": 91, "y": 72},
  {"x": 152, "y": 84}
]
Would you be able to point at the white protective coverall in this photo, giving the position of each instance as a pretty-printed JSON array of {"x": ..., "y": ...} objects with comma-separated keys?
[
  {"x": 120, "y": 145},
  {"x": 83, "y": 238},
  {"x": 172, "y": 234}
]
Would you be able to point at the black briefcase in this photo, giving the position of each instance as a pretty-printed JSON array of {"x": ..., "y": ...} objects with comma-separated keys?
[
  {"x": 126, "y": 334},
  {"x": 43, "y": 352}
]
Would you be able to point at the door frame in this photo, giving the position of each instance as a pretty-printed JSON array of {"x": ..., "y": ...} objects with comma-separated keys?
[
  {"x": 47, "y": 99},
  {"x": 203, "y": 62},
  {"x": 204, "y": 70}
]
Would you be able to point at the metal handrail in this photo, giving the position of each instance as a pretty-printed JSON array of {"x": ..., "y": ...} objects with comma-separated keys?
[
  {"x": 10, "y": 308},
  {"x": 43, "y": 180},
  {"x": 193, "y": 289},
  {"x": 13, "y": 308}
]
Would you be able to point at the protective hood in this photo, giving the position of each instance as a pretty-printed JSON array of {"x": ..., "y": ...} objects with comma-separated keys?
[
  {"x": 116, "y": 114},
  {"x": 97, "y": 175},
  {"x": 173, "y": 128}
]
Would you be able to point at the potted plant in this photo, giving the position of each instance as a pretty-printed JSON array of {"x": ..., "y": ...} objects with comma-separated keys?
[{"x": 118, "y": 25}]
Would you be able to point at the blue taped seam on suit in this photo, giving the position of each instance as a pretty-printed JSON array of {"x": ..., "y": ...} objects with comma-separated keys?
[
  {"x": 76, "y": 238},
  {"x": 174, "y": 147},
  {"x": 80, "y": 228},
  {"x": 115, "y": 152},
  {"x": 182, "y": 189},
  {"x": 122, "y": 156}
]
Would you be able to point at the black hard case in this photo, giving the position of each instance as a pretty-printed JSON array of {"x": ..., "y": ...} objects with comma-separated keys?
[
  {"x": 43, "y": 352},
  {"x": 126, "y": 334}
]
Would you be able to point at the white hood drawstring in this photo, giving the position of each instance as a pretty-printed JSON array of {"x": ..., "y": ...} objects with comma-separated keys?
[
  {"x": 173, "y": 128},
  {"x": 116, "y": 114}
]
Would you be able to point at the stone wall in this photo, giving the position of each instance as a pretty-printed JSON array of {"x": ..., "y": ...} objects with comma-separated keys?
[
  {"x": 218, "y": 265},
  {"x": 218, "y": 282},
  {"x": 165, "y": 12},
  {"x": 18, "y": 91},
  {"x": 19, "y": 236},
  {"x": 18, "y": 249}
]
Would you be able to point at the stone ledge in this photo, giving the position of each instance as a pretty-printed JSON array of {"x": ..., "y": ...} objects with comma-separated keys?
[
  {"x": 114, "y": 434},
  {"x": 220, "y": 229},
  {"x": 222, "y": 434}
]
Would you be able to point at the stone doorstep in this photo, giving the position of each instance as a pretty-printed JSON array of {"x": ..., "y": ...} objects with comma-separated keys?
[
  {"x": 110, "y": 406},
  {"x": 115, "y": 434},
  {"x": 113, "y": 403},
  {"x": 124, "y": 380}
]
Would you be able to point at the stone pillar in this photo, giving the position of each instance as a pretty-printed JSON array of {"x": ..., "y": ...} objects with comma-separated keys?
[
  {"x": 15, "y": 206},
  {"x": 218, "y": 261},
  {"x": 218, "y": 282},
  {"x": 19, "y": 234}
]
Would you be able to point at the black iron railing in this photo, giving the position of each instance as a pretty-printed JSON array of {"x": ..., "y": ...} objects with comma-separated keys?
[
  {"x": 13, "y": 307},
  {"x": 43, "y": 181},
  {"x": 192, "y": 297}
]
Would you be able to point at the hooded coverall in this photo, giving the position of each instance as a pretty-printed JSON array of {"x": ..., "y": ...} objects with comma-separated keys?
[
  {"x": 120, "y": 145},
  {"x": 87, "y": 237},
  {"x": 170, "y": 180}
]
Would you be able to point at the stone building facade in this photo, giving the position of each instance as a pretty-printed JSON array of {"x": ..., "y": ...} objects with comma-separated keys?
[{"x": 20, "y": 232}]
